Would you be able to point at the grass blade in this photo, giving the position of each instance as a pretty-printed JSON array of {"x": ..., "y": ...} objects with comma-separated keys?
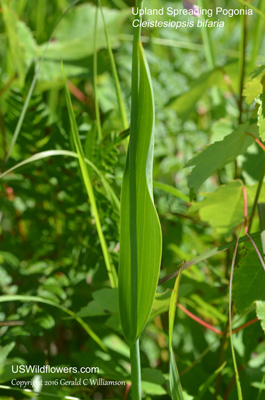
[
  {"x": 238, "y": 385},
  {"x": 172, "y": 190},
  {"x": 86, "y": 178},
  {"x": 51, "y": 153},
  {"x": 140, "y": 234},
  {"x": 95, "y": 77},
  {"x": 175, "y": 385},
  {"x": 36, "y": 299},
  {"x": 203, "y": 388},
  {"x": 115, "y": 74},
  {"x": 34, "y": 395}
]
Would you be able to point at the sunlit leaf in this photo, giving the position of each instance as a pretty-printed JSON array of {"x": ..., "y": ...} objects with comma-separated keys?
[{"x": 140, "y": 235}]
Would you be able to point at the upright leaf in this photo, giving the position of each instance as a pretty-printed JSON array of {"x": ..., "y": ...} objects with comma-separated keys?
[
  {"x": 140, "y": 233},
  {"x": 175, "y": 385},
  {"x": 89, "y": 188}
]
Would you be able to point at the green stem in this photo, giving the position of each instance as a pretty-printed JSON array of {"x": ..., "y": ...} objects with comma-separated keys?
[
  {"x": 115, "y": 75},
  {"x": 256, "y": 199},
  {"x": 239, "y": 390},
  {"x": 95, "y": 80},
  {"x": 261, "y": 209},
  {"x": 207, "y": 42},
  {"x": 257, "y": 37},
  {"x": 135, "y": 371},
  {"x": 242, "y": 63}
]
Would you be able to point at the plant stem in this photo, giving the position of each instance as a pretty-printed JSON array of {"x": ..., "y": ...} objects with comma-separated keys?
[
  {"x": 242, "y": 63},
  {"x": 115, "y": 75},
  {"x": 239, "y": 390},
  {"x": 261, "y": 209},
  {"x": 95, "y": 80},
  {"x": 135, "y": 371},
  {"x": 257, "y": 38},
  {"x": 256, "y": 199}
]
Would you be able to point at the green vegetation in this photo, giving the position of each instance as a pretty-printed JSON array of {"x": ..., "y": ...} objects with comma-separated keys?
[{"x": 132, "y": 202}]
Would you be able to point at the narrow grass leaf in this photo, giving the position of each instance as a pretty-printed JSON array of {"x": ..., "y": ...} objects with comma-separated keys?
[
  {"x": 172, "y": 190},
  {"x": 32, "y": 394},
  {"x": 36, "y": 299},
  {"x": 86, "y": 178},
  {"x": 51, "y": 153},
  {"x": 115, "y": 74},
  {"x": 238, "y": 385},
  {"x": 175, "y": 385},
  {"x": 95, "y": 76},
  {"x": 140, "y": 233},
  {"x": 206, "y": 385}
]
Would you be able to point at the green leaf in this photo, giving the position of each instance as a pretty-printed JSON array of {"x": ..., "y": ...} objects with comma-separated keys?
[
  {"x": 105, "y": 302},
  {"x": 224, "y": 208},
  {"x": 73, "y": 36},
  {"x": 175, "y": 385},
  {"x": 172, "y": 190},
  {"x": 218, "y": 154},
  {"x": 89, "y": 188},
  {"x": 140, "y": 232},
  {"x": 255, "y": 86},
  {"x": 261, "y": 115},
  {"x": 206, "y": 385},
  {"x": 5, "y": 350},
  {"x": 249, "y": 279},
  {"x": 186, "y": 102},
  {"x": 260, "y": 310}
]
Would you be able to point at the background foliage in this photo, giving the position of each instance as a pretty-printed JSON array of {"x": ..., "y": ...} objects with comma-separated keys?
[{"x": 49, "y": 246}]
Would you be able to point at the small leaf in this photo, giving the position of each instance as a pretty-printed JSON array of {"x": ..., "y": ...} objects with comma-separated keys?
[
  {"x": 255, "y": 86},
  {"x": 261, "y": 115}
]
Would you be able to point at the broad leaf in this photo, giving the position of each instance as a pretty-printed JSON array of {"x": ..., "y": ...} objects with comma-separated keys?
[
  {"x": 73, "y": 36},
  {"x": 140, "y": 234},
  {"x": 218, "y": 154},
  {"x": 249, "y": 279},
  {"x": 186, "y": 102},
  {"x": 224, "y": 208}
]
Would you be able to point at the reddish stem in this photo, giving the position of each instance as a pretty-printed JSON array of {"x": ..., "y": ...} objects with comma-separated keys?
[
  {"x": 76, "y": 92},
  {"x": 127, "y": 390},
  {"x": 212, "y": 328},
  {"x": 245, "y": 325},
  {"x": 256, "y": 140},
  {"x": 200, "y": 321}
]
